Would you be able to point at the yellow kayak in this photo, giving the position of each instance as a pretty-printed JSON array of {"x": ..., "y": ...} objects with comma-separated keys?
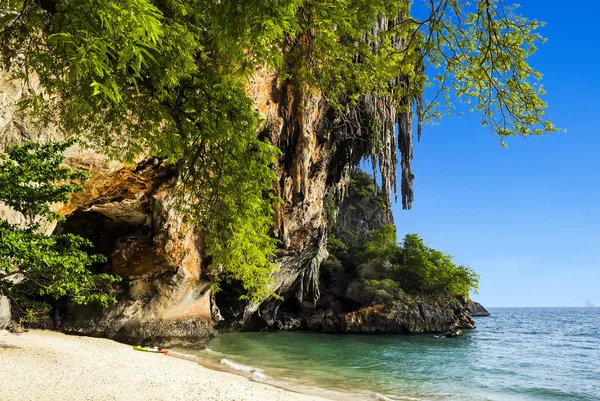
[{"x": 157, "y": 350}]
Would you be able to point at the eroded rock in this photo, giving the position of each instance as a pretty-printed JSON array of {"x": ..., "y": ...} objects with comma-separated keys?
[
  {"x": 5, "y": 314},
  {"x": 433, "y": 315},
  {"x": 315, "y": 322},
  {"x": 163, "y": 297},
  {"x": 477, "y": 310}
]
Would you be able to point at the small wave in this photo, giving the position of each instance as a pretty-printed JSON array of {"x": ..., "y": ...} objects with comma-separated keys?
[
  {"x": 255, "y": 374},
  {"x": 258, "y": 377},
  {"x": 237, "y": 366}
]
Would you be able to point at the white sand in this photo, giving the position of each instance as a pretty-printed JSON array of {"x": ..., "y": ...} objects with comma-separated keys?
[{"x": 44, "y": 365}]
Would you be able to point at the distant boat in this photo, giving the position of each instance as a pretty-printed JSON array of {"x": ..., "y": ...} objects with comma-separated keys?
[{"x": 588, "y": 304}]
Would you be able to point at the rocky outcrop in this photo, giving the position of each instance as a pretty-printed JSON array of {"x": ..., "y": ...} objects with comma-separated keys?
[
  {"x": 163, "y": 298},
  {"x": 434, "y": 315},
  {"x": 127, "y": 212},
  {"x": 445, "y": 315},
  {"x": 362, "y": 210},
  {"x": 476, "y": 309},
  {"x": 4, "y": 312}
]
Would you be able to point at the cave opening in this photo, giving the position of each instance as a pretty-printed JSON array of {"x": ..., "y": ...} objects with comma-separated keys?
[{"x": 104, "y": 233}]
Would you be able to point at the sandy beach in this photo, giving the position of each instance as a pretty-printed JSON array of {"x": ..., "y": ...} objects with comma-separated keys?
[{"x": 45, "y": 365}]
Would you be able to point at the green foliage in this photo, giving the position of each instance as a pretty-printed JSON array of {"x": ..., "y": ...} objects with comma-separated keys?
[
  {"x": 337, "y": 248},
  {"x": 34, "y": 314},
  {"x": 411, "y": 267},
  {"x": 28, "y": 176},
  {"x": 168, "y": 77},
  {"x": 385, "y": 290},
  {"x": 381, "y": 246},
  {"x": 330, "y": 210},
  {"x": 479, "y": 53},
  {"x": 33, "y": 264},
  {"x": 424, "y": 270},
  {"x": 363, "y": 186}
]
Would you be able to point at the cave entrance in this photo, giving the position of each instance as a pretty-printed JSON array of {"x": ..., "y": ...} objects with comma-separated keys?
[
  {"x": 291, "y": 305},
  {"x": 103, "y": 232}
]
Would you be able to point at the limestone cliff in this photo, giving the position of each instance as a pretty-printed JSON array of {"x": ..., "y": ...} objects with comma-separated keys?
[
  {"x": 362, "y": 210},
  {"x": 129, "y": 217},
  {"x": 127, "y": 212}
]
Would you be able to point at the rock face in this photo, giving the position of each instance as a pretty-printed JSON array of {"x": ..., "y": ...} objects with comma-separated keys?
[
  {"x": 163, "y": 298},
  {"x": 4, "y": 313},
  {"x": 446, "y": 315},
  {"x": 346, "y": 307},
  {"x": 315, "y": 160},
  {"x": 476, "y": 309},
  {"x": 296, "y": 123},
  {"x": 435, "y": 315},
  {"x": 363, "y": 209}
]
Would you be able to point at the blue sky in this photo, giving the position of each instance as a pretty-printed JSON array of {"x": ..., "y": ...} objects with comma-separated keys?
[{"x": 526, "y": 218}]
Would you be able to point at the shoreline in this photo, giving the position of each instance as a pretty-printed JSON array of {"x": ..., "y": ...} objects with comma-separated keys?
[
  {"x": 48, "y": 365},
  {"x": 256, "y": 375}
]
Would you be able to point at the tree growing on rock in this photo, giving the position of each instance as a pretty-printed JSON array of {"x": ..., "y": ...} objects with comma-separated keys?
[
  {"x": 169, "y": 78},
  {"x": 33, "y": 265}
]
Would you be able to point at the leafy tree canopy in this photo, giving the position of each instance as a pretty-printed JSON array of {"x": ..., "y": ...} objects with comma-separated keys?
[
  {"x": 168, "y": 77},
  {"x": 422, "y": 269},
  {"x": 32, "y": 264},
  {"x": 410, "y": 267}
]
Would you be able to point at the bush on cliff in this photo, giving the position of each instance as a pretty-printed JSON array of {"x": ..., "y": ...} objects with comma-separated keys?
[
  {"x": 380, "y": 291},
  {"x": 388, "y": 270},
  {"x": 34, "y": 265},
  {"x": 423, "y": 270}
]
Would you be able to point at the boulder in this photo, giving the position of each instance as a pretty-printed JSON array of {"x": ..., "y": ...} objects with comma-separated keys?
[
  {"x": 4, "y": 312},
  {"x": 336, "y": 306},
  {"x": 307, "y": 308},
  {"x": 288, "y": 323},
  {"x": 325, "y": 300},
  {"x": 454, "y": 333},
  {"x": 329, "y": 325},
  {"x": 315, "y": 322},
  {"x": 356, "y": 293}
]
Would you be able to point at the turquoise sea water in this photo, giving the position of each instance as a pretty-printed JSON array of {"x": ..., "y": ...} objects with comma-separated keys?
[{"x": 515, "y": 354}]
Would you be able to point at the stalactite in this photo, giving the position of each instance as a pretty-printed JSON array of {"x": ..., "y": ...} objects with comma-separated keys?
[
  {"x": 406, "y": 150},
  {"x": 388, "y": 113}
]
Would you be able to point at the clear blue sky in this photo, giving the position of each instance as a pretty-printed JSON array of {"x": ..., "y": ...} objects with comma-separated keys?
[{"x": 526, "y": 218}]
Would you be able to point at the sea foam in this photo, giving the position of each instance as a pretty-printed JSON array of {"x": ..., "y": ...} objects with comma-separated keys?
[
  {"x": 256, "y": 375},
  {"x": 237, "y": 366}
]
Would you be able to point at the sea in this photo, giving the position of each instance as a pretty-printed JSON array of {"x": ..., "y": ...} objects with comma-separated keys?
[{"x": 515, "y": 354}]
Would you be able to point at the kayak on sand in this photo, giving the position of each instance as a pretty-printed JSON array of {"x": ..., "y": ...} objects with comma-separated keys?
[{"x": 158, "y": 350}]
